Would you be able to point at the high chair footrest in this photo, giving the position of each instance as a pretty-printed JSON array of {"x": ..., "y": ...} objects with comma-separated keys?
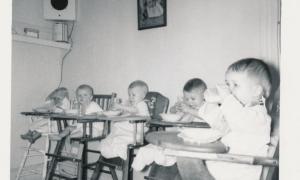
[
  {"x": 93, "y": 151},
  {"x": 59, "y": 157},
  {"x": 150, "y": 178}
]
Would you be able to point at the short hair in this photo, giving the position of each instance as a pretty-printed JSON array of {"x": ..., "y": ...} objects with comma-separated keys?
[
  {"x": 139, "y": 83},
  {"x": 193, "y": 84},
  {"x": 257, "y": 69},
  {"x": 86, "y": 87},
  {"x": 58, "y": 92}
]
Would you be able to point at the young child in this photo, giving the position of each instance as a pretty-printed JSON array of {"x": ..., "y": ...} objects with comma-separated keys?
[
  {"x": 115, "y": 144},
  {"x": 84, "y": 106},
  {"x": 58, "y": 102},
  {"x": 194, "y": 108},
  {"x": 243, "y": 107},
  {"x": 84, "y": 96}
]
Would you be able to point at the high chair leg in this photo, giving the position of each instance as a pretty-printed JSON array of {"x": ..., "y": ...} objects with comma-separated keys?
[
  {"x": 53, "y": 162},
  {"x": 113, "y": 173},
  {"x": 97, "y": 170},
  {"x": 23, "y": 161},
  {"x": 47, "y": 149}
]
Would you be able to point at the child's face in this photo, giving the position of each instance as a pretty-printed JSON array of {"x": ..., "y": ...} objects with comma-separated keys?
[
  {"x": 241, "y": 86},
  {"x": 194, "y": 98},
  {"x": 84, "y": 96},
  {"x": 136, "y": 94}
]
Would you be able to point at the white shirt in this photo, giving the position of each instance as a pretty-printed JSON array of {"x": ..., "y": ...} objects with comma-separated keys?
[
  {"x": 93, "y": 107},
  {"x": 249, "y": 135}
]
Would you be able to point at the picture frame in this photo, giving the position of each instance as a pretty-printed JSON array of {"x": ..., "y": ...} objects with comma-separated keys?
[{"x": 151, "y": 13}]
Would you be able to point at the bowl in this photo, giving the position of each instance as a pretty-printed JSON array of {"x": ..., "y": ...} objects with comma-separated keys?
[
  {"x": 171, "y": 117},
  {"x": 112, "y": 113}
]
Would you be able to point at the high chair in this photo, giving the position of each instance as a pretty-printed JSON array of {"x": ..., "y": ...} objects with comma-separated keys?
[
  {"x": 270, "y": 163},
  {"x": 32, "y": 154},
  {"x": 81, "y": 159},
  {"x": 157, "y": 103}
]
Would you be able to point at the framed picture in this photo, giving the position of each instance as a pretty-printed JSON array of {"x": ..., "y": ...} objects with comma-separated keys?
[{"x": 152, "y": 13}]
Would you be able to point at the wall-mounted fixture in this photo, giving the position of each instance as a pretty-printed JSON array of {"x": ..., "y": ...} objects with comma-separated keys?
[{"x": 60, "y": 10}]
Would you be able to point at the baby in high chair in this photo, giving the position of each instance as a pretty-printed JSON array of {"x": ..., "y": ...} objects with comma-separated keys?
[
  {"x": 192, "y": 108},
  {"x": 84, "y": 96},
  {"x": 57, "y": 102},
  {"x": 248, "y": 83},
  {"x": 115, "y": 144}
]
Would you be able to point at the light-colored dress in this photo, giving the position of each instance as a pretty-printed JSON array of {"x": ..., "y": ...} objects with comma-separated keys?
[
  {"x": 93, "y": 107},
  {"x": 249, "y": 135},
  {"x": 115, "y": 144},
  {"x": 151, "y": 153}
]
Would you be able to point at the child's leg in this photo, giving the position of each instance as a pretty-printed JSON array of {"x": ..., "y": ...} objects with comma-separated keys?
[
  {"x": 193, "y": 169},
  {"x": 40, "y": 124},
  {"x": 145, "y": 156}
]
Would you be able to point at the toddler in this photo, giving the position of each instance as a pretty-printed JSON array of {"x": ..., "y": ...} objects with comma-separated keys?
[
  {"x": 58, "y": 102},
  {"x": 115, "y": 144},
  {"x": 85, "y": 105},
  {"x": 243, "y": 107},
  {"x": 193, "y": 108},
  {"x": 84, "y": 96}
]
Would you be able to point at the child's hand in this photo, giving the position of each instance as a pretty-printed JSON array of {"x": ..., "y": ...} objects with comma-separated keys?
[
  {"x": 185, "y": 108},
  {"x": 223, "y": 90},
  {"x": 187, "y": 118},
  {"x": 117, "y": 106},
  {"x": 178, "y": 106}
]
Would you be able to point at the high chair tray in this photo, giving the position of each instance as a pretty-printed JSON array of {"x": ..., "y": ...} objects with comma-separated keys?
[
  {"x": 179, "y": 124},
  {"x": 172, "y": 141},
  {"x": 36, "y": 113}
]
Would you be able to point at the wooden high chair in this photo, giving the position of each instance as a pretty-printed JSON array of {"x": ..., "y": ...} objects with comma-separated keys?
[
  {"x": 81, "y": 159},
  {"x": 270, "y": 163},
  {"x": 157, "y": 104}
]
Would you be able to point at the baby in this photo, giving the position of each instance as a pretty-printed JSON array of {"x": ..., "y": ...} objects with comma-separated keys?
[
  {"x": 193, "y": 108},
  {"x": 115, "y": 144},
  {"x": 58, "y": 102},
  {"x": 84, "y": 96},
  {"x": 243, "y": 107}
]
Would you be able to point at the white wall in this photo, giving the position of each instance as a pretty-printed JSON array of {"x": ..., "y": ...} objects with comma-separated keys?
[
  {"x": 200, "y": 40},
  {"x": 35, "y": 72}
]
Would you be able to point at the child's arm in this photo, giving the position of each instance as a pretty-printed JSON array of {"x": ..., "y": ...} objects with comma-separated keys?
[
  {"x": 189, "y": 110},
  {"x": 48, "y": 106},
  {"x": 175, "y": 108},
  {"x": 214, "y": 117},
  {"x": 130, "y": 109},
  {"x": 217, "y": 94}
]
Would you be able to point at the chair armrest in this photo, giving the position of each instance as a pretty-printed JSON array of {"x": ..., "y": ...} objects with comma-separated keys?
[
  {"x": 233, "y": 158},
  {"x": 87, "y": 139},
  {"x": 61, "y": 135}
]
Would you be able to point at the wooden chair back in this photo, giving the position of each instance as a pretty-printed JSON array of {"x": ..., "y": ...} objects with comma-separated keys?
[
  {"x": 273, "y": 151},
  {"x": 157, "y": 104},
  {"x": 104, "y": 100}
]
